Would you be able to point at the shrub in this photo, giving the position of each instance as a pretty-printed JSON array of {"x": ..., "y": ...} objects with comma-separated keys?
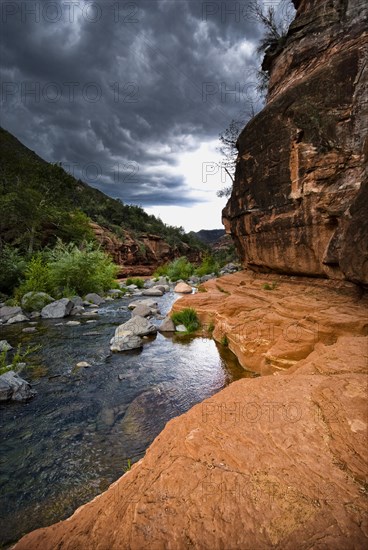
[
  {"x": 272, "y": 286},
  {"x": 179, "y": 269},
  {"x": 187, "y": 317},
  {"x": 135, "y": 281},
  {"x": 12, "y": 269},
  {"x": 224, "y": 341},
  {"x": 38, "y": 277},
  {"x": 208, "y": 265},
  {"x": 35, "y": 301}
]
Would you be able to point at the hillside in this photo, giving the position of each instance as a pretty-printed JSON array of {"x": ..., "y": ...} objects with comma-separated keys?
[{"x": 40, "y": 202}]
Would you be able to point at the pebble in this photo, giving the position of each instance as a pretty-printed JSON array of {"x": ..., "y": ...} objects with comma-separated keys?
[{"x": 83, "y": 364}]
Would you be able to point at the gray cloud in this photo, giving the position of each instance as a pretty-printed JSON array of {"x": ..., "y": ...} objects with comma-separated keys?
[{"x": 120, "y": 89}]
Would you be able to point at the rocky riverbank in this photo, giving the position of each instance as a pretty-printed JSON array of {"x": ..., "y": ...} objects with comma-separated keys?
[{"x": 273, "y": 462}]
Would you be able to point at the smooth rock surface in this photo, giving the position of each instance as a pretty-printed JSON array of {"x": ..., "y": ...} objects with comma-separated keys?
[
  {"x": 141, "y": 311},
  {"x": 125, "y": 340},
  {"x": 19, "y": 318},
  {"x": 152, "y": 292},
  {"x": 167, "y": 325},
  {"x": 56, "y": 310},
  {"x": 94, "y": 298},
  {"x": 183, "y": 288},
  {"x": 139, "y": 326},
  {"x": 7, "y": 312}
]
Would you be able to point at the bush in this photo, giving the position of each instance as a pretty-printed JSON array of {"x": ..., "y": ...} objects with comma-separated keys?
[
  {"x": 179, "y": 269},
  {"x": 12, "y": 269},
  {"x": 187, "y": 317},
  {"x": 135, "y": 281},
  {"x": 68, "y": 270},
  {"x": 273, "y": 286},
  {"x": 208, "y": 265},
  {"x": 35, "y": 301}
]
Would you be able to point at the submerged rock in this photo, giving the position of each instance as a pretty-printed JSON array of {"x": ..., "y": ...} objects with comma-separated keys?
[{"x": 14, "y": 388}]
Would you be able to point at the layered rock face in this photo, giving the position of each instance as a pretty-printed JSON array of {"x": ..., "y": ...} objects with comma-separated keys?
[
  {"x": 299, "y": 202},
  {"x": 273, "y": 462},
  {"x": 143, "y": 256}
]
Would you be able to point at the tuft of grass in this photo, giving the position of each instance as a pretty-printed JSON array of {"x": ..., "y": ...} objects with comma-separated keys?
[
  {"x": 272, "y": 286},
  {"x": 222, "y": 290},
  {"x": 211, "y": 327},
  {"x": 202, "y": 289},
  {"x": 135, "y": 281},
  {"x": 224, "y": 341},
  {"x": 128, "y": 466},
  {"x": 18, "y": 357},
  {"x": 187, "y": 317}
]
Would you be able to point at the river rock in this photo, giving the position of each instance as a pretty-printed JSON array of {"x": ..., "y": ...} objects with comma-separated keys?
[
  {"x": 125, "y": 340},
  {"x": 83, "y": 364},
  {"x": 141, "y": 311},
  {"x": 167, "y": 325},
  {"x": 5, "y": 346},
  {"x": 7, "y": 312},
  {"x": 19, "y": 318},
  {"x": 56, "y": 310},
  {"x": 154, "y": 291},
  {"x": 161, "y": 287},
  {"x": 183, "y": 288},
  {"x": 181, "y": 328},
  {"x": 139, "y": 326},
  {"x": 94, "y": 298},
  {"x": 29, "y": 330},
  {"x": 77, "y": 301},
  {"x": 72, "y": 323},
  {"x": 35, "y": 301},
  {"x": 115, "y": 293},
  {"x": 14, "y": 388},
  {"x": 146, "y": 302},
  {"x": 77, "y": 310}
]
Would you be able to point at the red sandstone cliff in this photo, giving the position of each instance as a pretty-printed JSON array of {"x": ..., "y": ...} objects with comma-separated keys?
[{"x": 299, "y": 201}]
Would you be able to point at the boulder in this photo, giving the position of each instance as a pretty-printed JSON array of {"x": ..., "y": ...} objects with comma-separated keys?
[
  {"x": 14, "y": 388},
  {"x": 94, "y": 298},
  {"x": 141, "y": 311},
  {"x": 154, "y": 291},
  {"x": 35, "y": 301},
  {"x": 57, "y": 310},
  {"x": 5, "y": 346},
  {"x": 183, "y": 288},
  {"x": 125, "y": 340},
  {"x": 77, "y": 310},
  {"x": 167, "y": 325},
  {"x": 146, "y": 302},
  {"x": 7, "y": 312},
  {"x": 77, "y": 301},
  {"x": 139, "y": 326},
  {"x": 19, "y": 318}
]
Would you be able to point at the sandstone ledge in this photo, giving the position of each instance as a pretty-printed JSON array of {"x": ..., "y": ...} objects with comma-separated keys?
[{"x": 274, "y": 462}]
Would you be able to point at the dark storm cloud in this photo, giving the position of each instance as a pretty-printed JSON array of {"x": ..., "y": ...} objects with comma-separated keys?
[{"x": 115, "y": 90}]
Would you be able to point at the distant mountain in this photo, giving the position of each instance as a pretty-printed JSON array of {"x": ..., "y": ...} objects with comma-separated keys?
[
  {"x": 40, "y": 202},
  {"x": 209, "y": 236}
]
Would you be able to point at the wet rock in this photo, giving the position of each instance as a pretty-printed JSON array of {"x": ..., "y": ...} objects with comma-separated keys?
[
  {"x": 77, "y": 301},
  {"x": 141, "y": 311},
  {"x": 7, "y": 312},
  {"x": 146, "y": 302},
  {"x": 29, "y": 330},
  {"x": 14, "y": 388},
  {"x": 72, "y": 323},
  {"x": 94, "y": 298},
  {"x": 19, "y": 318},
  {"x": 77, "y": 310},
  {"x": 56, "y": 310},
  {"x": 115, "y": 293},
  {"x": 167, "y": 325},
  {"x": 83, "y": 365},
  {"x": 139, "y": 326},
  {"x": 5, "y": 346},
  {"x": 183, "y": 288},
  {"x": 154, "y": 291},
  {"x": 125, "y": 340},
  {"x": 35, "y": 315}
]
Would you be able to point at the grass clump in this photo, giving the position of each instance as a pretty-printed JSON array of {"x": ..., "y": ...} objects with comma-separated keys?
[
  {"x": 187, "y": 317},
  {"x": 19, "y": 357},
  {"x": 272, "y": 286},
  {"x": 224, "y": 341},
  {"x": 208, "y": 265},
  {"x": 135, "y": 281}
]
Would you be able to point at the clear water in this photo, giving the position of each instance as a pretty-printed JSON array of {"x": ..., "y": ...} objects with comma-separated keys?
[{"x": 74, "y": 439}]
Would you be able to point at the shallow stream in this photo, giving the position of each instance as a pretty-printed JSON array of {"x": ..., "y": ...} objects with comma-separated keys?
[{"x": 77, "y": 435}]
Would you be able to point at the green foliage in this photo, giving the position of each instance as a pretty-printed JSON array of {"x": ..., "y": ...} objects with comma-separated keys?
[
  {"x": 187, "y": 317},
  {"x": 180, "y": 268},
  {"x": 80, "y": 270},
  {"x": 135, "y": 281},
  {"x": 208, "y": 265},
  {"x": 272, "y": 286},
  {"x": 19, "y": 357},
  {"x": 68, "y": 270},
  {"x": 128, "y": 466},
  {"x": 35, "y": 301},
  {"x": 211, "y": 327},
  {"x": 12, "y": 268},
  {"x": 224, "y": 341}
]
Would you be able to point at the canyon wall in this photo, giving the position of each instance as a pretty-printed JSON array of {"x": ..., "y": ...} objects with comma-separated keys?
[
  {"x": 141, "y": 256},
  {"x": 299, "y": 201}
]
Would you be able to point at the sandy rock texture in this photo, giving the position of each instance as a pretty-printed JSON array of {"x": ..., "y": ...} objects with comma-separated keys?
[{"x": 278, "y": 461}]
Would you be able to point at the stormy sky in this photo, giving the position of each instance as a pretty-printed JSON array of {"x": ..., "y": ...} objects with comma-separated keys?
[{"x": 131, "y": 96}]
